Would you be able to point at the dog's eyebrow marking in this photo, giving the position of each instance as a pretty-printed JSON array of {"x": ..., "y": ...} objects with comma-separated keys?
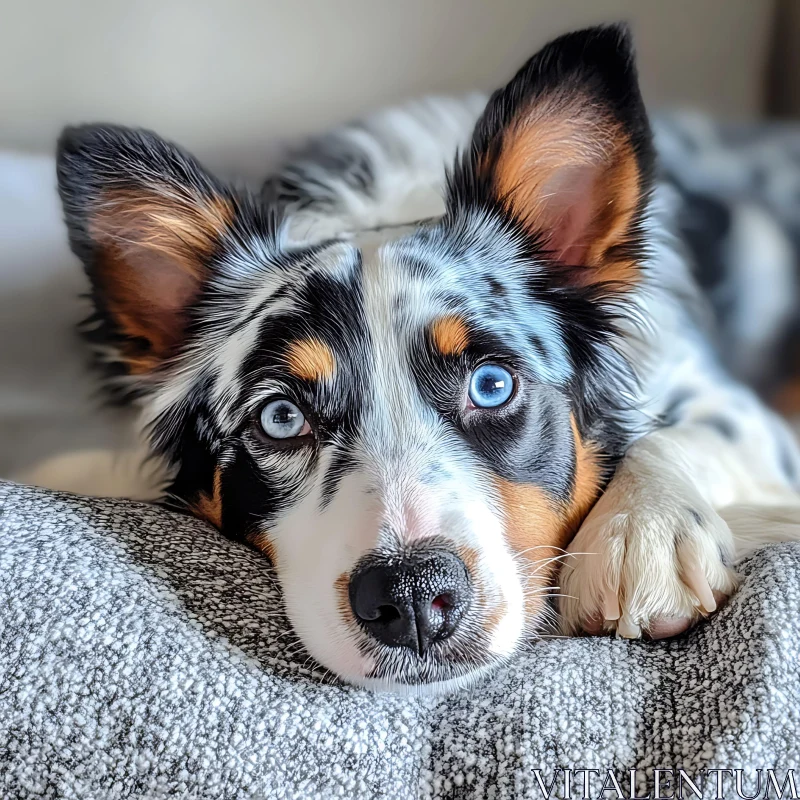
[
  {"x": 310, "y": 359},
  {"x": 450, "y": 335}
]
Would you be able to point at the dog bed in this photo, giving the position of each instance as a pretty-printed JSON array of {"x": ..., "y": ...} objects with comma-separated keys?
[{"x": 144, "y": 656}]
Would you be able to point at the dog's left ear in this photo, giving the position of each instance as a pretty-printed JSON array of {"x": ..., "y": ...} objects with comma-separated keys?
[{"x": 565, "y": 151}]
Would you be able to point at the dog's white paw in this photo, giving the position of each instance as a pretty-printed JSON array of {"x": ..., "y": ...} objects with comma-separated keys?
[{"x": 651, "y": 558}]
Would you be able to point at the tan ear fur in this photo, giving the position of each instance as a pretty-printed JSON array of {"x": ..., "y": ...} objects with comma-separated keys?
[
  {"x": 153, "y": 247},
  {"x": 569, "y": 173}
]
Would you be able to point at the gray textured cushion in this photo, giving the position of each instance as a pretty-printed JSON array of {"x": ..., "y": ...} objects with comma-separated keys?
[{"x": 143, "y": 655}]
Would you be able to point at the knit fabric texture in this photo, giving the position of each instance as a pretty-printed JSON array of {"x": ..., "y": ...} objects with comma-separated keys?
[{"x": 142, "y": 655}]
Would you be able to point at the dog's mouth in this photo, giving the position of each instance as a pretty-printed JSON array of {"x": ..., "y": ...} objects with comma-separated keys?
[
  {"x": 401, "y": 670},
  {"x": 453, "y": 663}
]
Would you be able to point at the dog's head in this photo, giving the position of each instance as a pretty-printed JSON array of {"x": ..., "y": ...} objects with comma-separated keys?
[{"x": 410, "y": 426}]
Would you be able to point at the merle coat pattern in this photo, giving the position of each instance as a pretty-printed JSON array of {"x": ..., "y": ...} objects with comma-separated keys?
[{"x": 305, "y": 363}]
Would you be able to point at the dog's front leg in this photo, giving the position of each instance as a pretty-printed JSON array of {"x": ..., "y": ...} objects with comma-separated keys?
[{"x": 654, "y": 555}]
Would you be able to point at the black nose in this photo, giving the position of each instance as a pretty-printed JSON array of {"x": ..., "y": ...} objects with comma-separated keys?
[{"x": 411, "y": 601}]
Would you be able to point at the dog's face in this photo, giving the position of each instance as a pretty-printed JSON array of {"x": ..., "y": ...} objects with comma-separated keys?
[{"x": 410, "y": 424}]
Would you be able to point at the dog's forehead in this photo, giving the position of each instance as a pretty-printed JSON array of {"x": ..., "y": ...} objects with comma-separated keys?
[
  {"x": 367, "y": 298},
  {"x": 388, "y": 282}
]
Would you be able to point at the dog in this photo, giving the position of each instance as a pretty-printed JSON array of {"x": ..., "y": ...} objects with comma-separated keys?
[{"x": 444, "y": 352}]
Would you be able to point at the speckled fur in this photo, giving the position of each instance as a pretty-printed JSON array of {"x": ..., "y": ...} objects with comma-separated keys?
[{"x": 361, "y": 243}]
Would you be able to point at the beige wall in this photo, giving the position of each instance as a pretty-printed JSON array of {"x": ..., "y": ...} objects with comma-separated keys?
[
  {"x": 230, "y": 79},
  {"x": 784, "y": 94}
]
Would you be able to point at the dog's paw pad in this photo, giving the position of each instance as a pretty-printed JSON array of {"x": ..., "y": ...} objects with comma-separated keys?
[{"x": 667, "y": 627}]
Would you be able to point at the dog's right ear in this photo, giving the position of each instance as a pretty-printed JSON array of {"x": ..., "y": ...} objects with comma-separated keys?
[
  {"x": 564, "y": 152},
  {"x": 145, "y": 218}
]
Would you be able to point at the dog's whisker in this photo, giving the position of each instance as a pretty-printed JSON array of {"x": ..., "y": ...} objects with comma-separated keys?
[
  {"x": 540, "y": 565},
  {"x": 554, "y": 594},
  {"x": 542, "y": 547}
]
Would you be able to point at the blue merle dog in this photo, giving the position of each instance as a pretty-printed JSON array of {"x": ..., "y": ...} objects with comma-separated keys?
[{"x": 447, "y": 351}]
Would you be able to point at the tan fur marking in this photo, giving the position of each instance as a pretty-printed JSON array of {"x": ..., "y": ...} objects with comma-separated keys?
[
  {"x": 450, "y": 335},
  {"x": 124, "y": 294},
  {"x": 261, "y": 541},
  {"x": 538, "y": 527},
  {"x": 554, "y": 140},
  {"x": 342, "y": 587},
  {"x": 786, "y": 399},
  {"x": 536, "y": 531},
  {"x": 533, "y": 520},
  {"x": 311, "y": 360},
  {"x": 620, "y": 183},
  {"x": 541, "y": 142},
  {"x": 153, "y": 246},
  {"x": 208, "y": 507},
  {"x": 183, "y": 226},
  {"x": 588, "y": 479}
]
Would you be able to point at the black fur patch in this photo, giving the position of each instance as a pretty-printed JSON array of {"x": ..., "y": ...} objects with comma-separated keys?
[
  {"x": 672, "y": 413},
  {"x": 721, "y": 424}
]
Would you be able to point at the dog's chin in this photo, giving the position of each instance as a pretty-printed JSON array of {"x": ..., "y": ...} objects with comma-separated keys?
[
  {"x": 402, "y": 672},
  {"x": 448, "y": 682}
]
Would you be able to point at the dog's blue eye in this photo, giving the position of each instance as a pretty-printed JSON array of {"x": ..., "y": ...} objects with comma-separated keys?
[
  {"x": 491, "y": 386},
  {"x": 282, "y": 419}
]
